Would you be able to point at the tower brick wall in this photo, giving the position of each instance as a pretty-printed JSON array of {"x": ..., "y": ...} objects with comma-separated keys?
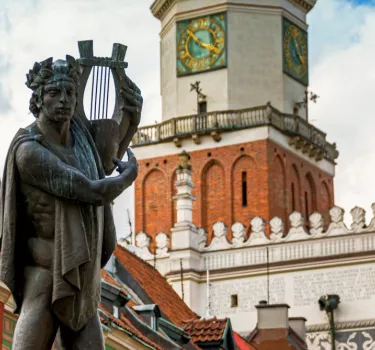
[{"x": 232, "y": 183}]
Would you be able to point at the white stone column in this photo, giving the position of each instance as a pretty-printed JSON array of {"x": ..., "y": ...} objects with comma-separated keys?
[
  {"x": 185, "y": 260},
  {"x": 184, "y": 198},
  {"x": 184, "y": 232}
]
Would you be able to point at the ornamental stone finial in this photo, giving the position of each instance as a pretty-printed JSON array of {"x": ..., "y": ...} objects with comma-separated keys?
[{"x": 184, "y": 161}]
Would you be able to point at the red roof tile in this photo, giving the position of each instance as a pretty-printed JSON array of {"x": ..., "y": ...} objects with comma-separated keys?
[
  {"x": 127, "y": 326},
  {"x": 202, "y": 330},
  {"x": 155, "y": 286},
  {"x": 277, "y": 338},
  {"x": 241, "y": 343},
  {"x": 107, "y": 277}
]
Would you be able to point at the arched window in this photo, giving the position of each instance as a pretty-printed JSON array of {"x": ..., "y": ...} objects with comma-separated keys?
[
  {"x": 155, "y": 203},
  {"x": 245, "y": 189},
  {"x": 309, "y": 196},
  {"x": 295, "y": 190},
  {"x": 325, "y": 201},
  {"x": 213, "y": 196},
  {"x": 278, "y": 202}
]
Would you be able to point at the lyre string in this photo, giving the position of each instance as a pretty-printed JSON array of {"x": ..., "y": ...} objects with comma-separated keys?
[
  {"x": 108, "y": 79},
  {"x": 105, "y": 92},
  {"x": 100, "y": 91},
  {"x": 92, "y": 92},
  {"x": 96, "y": 92}
]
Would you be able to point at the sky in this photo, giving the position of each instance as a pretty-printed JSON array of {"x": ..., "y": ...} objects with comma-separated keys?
[{"x": 342, "y": 73}]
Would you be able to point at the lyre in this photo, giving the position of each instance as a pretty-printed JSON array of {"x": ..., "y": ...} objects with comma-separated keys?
[{"x": 102, "y": 68}]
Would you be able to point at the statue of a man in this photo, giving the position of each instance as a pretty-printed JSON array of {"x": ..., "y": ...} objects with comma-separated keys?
[{"x": 56, "y": 222}]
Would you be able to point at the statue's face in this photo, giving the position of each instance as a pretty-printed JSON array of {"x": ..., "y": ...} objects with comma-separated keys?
[{"x": 60, "y": 101}]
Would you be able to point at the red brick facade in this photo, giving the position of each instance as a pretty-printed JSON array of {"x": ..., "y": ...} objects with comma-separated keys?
[{"x": 232, "y": 183}]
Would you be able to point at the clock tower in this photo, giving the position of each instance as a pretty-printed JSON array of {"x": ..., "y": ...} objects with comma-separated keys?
[
  {"x": 233, "y": 81},
  {"x": 244, "y": 53}
]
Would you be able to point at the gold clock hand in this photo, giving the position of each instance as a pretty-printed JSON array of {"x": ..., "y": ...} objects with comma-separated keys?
[
  {"x": 193, "y": 37},
  {"x": 302, "y": 59},
  {"x": 210, "y": 47}
]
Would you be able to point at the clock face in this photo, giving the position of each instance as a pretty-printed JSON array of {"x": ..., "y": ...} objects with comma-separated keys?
[
  {"x": 295, "y": 52},
  {"x": 201, "y": 44}
]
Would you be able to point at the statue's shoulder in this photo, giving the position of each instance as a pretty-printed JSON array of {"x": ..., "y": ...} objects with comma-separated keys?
[
  {"x": 24, "y": 139},
  {"x": 29, "y": 131}
]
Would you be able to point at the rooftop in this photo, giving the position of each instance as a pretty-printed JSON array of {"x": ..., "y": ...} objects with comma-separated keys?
[
  {"x": 155, "y": 286},
  {"x": 206, "y": 330}
]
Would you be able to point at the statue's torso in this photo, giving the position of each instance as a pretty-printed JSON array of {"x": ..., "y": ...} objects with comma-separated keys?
[{"x": 40, "y": 215}]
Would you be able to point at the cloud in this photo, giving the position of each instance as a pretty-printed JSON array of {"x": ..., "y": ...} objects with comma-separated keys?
[
  {"x": 342, "y": 36},
  {"x": 343, "y": 74},
  {"x": 32, "y": 30}
]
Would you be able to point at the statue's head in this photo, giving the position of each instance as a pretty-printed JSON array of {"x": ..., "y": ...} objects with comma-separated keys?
[{"x": 55, "y": 88}]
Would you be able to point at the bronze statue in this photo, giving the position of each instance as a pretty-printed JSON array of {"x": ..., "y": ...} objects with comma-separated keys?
[{"x": 56, "y": 226}]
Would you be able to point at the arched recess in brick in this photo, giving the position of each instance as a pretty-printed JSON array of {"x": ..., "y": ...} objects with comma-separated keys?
[
  {"x": 324, "y": 201},
  {"x": 245, "y": 189},
  {"x": 309, "y": 196},
  {"x": 294, "y": 190},
  {"x": 174, "y": 203},
  {"x": 278, "y": 198},
  {"x": 156, "y": 212},
  {"x": 213, "y": 196}
]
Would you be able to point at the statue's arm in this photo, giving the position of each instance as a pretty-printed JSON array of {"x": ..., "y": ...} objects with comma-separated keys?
[{"x": 40, "y": 168}]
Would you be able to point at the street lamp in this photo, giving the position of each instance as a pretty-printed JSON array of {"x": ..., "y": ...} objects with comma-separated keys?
[{"x": 329, "y": 303}]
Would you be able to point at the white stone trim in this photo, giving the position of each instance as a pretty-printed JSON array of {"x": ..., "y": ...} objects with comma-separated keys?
[{"x": 341, "y": 325}]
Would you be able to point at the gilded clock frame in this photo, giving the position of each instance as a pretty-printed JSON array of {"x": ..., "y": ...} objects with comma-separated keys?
[
  {"x": 288, "y": 68},
  {"x": 220, "y": 62}
]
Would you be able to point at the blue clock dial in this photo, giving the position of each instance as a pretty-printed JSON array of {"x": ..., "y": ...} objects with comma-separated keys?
[{"x": 201, "y": 44}]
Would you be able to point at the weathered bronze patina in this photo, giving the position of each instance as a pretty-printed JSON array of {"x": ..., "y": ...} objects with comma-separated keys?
[{"x": 56, "y": 225}]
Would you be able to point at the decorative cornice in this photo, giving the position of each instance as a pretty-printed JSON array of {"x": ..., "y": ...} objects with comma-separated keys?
[
  {"x": 341, "y": 325},
  {"x": 304, "y": 5},
  {"x": 160, "y": 7}
]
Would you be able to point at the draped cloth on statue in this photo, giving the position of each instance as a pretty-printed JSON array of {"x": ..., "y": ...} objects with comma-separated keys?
[{"x": 84, "y": 234}]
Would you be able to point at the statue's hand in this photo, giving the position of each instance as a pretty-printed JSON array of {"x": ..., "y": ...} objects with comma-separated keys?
[
  {"x": 129, "y": 168},
  {"x": 133, "y": 101}
]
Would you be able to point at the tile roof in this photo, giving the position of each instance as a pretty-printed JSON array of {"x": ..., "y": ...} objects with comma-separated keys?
[
  {"x": 205, "y": 330},
  {"x": 277, "y": 338},
  {"x": 127, "y": 326},
  {"x": 107, "y": 277},
  {"x": 241, "y": 343},
  {"x": 155, "y": 286}
]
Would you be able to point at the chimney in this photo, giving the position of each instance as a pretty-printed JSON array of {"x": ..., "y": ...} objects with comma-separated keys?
[
  {"x": 298, "y": 324},
  {"x": 272, "y": 316}
]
